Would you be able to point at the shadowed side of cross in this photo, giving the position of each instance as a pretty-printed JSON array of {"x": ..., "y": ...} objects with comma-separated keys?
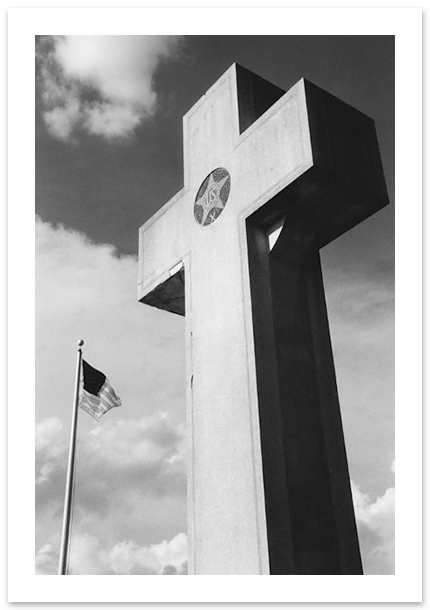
[{"x": 268, "y": 482}]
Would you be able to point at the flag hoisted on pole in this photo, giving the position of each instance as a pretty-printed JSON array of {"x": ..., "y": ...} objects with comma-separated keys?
[{"x": 97, "y": 397}]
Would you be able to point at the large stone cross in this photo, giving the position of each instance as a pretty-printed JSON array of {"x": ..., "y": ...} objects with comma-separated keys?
[{"x": 268, "y": 483}]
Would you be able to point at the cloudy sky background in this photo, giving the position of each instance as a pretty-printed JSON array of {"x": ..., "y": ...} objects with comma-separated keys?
[{"x": 108, "y": 155}]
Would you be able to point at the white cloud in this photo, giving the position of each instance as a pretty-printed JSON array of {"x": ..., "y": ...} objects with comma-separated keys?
[
  {"x": 84, "y": 555},
  {"x": 152, "y": 444},
  {"x": 375, "y": 522},
  {"x": 110, "y": 120},
  {"x": 46, "y": 560},
  {"x": 47, "y": 433},
  {"x": 61, "y": 120},
  {"x": 99, "y": 84},
  {"x": 125, "y": 469},
  {"x": 45, "y": 471},
  {"x": 87, "y": 556},
  {"x": 127, "y": 557}
]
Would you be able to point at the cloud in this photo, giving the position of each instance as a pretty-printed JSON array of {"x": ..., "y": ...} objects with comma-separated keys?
[
  {"x": 120, "y": 467},
  {"x": 124, "y": 558},
  {"x": 376, "y": 531},
  {"x": 125, "y": 469},
  {"x": 117, "y": 455},
  {"x": 51, "y": 443},
  {"x": 101, "y": 85},
  {"x": 48, "y": 435},
  {"x": 168, "y": 557},
  {"x": 46, "y": 560}
]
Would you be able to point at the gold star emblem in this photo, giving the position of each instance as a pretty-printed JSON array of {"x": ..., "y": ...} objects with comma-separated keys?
[{"x": 211, "y": 201}]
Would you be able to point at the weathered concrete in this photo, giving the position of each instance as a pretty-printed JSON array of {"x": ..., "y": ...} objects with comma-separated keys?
[{"x": 268, "y": 485}]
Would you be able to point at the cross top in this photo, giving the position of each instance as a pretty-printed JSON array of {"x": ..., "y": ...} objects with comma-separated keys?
[
  {"x": 264, "y": 140},
  {"x": 268, "y": 484}
]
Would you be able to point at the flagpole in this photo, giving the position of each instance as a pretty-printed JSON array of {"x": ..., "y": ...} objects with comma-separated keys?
[{"x": 65, "y": 536}]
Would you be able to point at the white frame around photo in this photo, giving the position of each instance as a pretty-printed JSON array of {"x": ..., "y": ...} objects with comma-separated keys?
[{"x": 405, "y": 25}]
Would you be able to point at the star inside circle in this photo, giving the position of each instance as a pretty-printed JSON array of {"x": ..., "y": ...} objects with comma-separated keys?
[{"x": 212, "y": 196}]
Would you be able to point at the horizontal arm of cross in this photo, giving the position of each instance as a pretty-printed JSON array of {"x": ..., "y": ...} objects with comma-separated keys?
[{"x": 162, "y": 258}]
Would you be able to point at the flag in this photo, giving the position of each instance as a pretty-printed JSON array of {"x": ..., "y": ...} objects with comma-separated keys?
[{"x": 97, "y": 395}]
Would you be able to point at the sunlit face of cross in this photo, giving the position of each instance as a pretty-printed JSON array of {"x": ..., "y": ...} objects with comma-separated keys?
[{"x": 210, "y": 203}]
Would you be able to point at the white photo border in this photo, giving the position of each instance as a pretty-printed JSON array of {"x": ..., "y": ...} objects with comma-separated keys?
[{"x": 405, "y": 25}]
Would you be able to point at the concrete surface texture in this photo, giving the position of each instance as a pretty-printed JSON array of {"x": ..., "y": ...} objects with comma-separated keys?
[{"x": 268, "y": 484}]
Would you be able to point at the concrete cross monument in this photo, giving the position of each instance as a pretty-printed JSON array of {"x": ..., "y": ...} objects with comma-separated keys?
[{"x": 268, "y": 482}]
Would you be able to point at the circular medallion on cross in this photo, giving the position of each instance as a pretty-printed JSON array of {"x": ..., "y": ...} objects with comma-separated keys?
[{"x": 212, "y": 196}]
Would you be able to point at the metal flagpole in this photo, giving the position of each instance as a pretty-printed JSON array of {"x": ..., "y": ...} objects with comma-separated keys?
[{"x": 68, "y": 498}]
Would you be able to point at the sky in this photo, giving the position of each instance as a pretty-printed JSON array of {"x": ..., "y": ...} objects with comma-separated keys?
[{"x": 108, "y": 156}]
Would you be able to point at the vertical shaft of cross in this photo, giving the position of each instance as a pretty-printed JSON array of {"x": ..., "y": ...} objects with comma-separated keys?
[{"x": 310, "y": 518}]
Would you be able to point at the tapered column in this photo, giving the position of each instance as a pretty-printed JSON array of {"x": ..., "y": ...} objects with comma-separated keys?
[{"x": 310, "y": 518}]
